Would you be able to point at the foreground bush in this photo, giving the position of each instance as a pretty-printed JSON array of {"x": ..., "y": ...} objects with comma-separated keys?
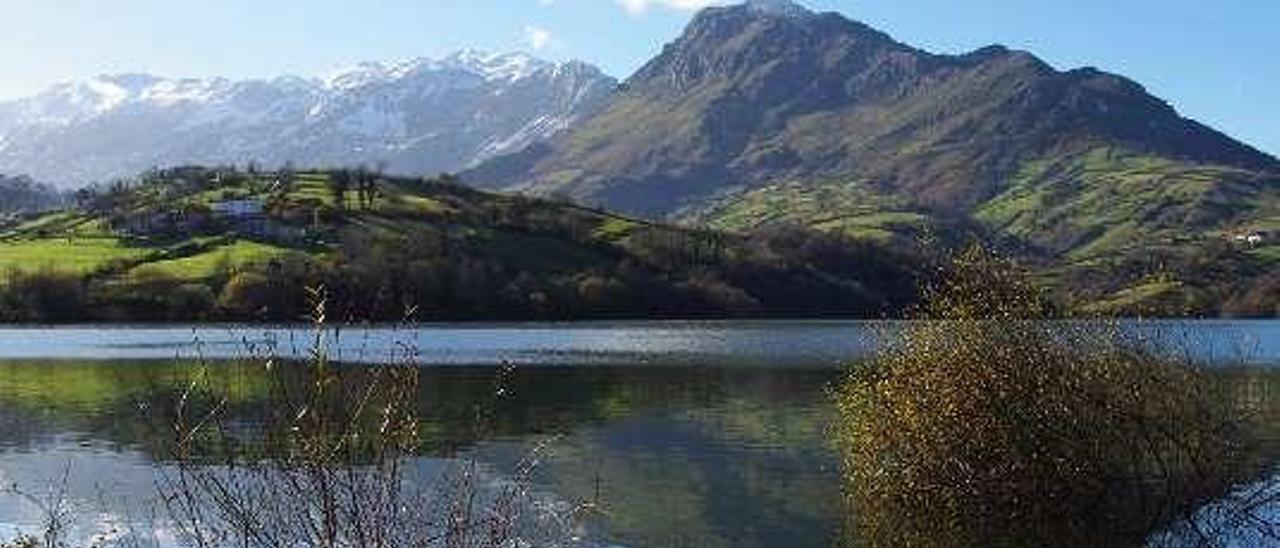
[
  {"x": 314, "y": 453},
  {"x": 986, "y": 425},
  {"x": 331, "y": 461}
]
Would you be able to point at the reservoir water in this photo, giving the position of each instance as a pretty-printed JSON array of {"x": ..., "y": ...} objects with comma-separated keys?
[{"x": 675, "y": 433}]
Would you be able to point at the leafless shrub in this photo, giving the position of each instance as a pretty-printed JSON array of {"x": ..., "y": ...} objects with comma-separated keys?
[
  {"x": 984, "y": 425},
  {"x": 331, "y": 463},
  {"x": 54, "y": 510}
]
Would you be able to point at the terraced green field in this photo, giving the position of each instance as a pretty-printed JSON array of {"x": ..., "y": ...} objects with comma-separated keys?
[
  {"x": 1098, "y": 225},
  {"x": 1108, "y": 201},
  {"x": 848, "y": 207},
  {"x": 205, "y": 264},
  {"x": 75, "y": 242},
  {"x": 73, "y": 254},
  {"x": 159, "y": 248}
]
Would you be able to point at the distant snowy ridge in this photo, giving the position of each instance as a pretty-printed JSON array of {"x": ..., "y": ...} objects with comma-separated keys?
[{"x": 415, "y": 116}]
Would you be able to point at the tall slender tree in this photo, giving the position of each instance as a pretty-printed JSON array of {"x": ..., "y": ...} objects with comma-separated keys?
[{"x": 339, "y": 182}]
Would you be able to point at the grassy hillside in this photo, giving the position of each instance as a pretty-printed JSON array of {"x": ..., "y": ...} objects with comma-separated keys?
[
  {"x": 855, "y": 208},
  {"x": 1106, "y": 201},
  {"x": 172, "y": 245},
  {"x": 1131, "y": 232},
  {"x": 746, "y": 98},
  {"x": 752, "y": 118},
  {"x": 1110, "y": 230}
]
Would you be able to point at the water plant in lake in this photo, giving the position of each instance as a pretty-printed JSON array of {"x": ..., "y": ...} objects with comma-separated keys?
[{"x": 984, "y": 424}]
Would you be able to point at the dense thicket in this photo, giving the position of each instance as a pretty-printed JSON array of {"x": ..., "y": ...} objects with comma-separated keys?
[{"x": 992, "y": 425}]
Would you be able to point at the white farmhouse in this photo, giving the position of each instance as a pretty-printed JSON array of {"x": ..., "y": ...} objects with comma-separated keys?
[{"x": 237, "y": 209}]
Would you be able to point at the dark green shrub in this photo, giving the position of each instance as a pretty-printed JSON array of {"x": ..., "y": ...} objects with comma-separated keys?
[{"x": 42, "y": 296}]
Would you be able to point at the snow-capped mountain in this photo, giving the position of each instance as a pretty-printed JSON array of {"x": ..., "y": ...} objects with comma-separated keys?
[{"x": 417, "y": 116}]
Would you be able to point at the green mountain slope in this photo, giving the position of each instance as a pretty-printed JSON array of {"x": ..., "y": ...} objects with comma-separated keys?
[
  {"x": 1106, "y": 201},
  {"x": 195, "y": 243},
  {"x": 1109, "y": 231},
  {"x": 757, "y": 116},
  {"x": 748, "y": 97}
]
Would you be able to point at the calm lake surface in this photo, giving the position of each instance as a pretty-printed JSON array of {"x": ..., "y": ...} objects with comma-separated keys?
[{"x": 684, "y": 433}]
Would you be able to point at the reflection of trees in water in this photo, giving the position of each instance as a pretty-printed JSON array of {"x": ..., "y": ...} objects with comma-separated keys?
[
  {"x": 695, "y": 456},
  {"x": 553, "y": 400},
  {"x": 119, "y": 402},
  {"x": 107, "y": 401},
  {"x": 22, "y": 429},
  {"x": 680, "y": 479},
  {"x": 679, "y": 453}
]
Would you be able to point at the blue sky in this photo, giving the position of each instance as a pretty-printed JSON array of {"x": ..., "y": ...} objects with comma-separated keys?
[{"x": 1218, "y": 62}]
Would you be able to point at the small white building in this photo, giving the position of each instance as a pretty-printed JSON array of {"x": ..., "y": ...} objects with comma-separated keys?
[
  {"x": 237, "y": 209},
  {"x": 1253, "y": 238}
]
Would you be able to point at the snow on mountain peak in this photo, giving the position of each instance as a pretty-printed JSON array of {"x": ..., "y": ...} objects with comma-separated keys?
[
  {"x": 169, "y": 92},
  {"x": 358, "y": 76},
  {"x": 501, "y": 66},
  {"x": 98, "y": 95},
  {"x": 66, "y": 103},
  {"x": 130, "y": 82},
  {"x": 507, "y": 67},
  {"x": 419, "y": 115}
]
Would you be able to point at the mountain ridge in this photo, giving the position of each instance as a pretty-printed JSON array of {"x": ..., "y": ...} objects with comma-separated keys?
[
  {"x": 418, "y": 115},
  {"x": 752, "y": 118},
  {"x": 730, "y": 97}
]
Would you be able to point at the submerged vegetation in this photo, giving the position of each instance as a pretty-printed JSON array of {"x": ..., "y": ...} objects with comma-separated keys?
[{"x": 986, "y": 424}]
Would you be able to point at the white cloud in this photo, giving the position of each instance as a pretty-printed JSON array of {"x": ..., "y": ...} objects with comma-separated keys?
[
  {"x": 638, "y": 7},
  {"x": 537, "y": 37}
]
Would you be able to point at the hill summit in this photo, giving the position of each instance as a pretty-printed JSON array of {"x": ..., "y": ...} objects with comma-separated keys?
[
  {"x": 768, "y": 92},
  {"x": 765, "y": 113}
]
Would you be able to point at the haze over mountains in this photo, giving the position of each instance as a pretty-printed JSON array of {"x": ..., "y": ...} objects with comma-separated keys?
[
  {"x": 22, "y": 194},
  {"x": 419, "y": 116}
]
